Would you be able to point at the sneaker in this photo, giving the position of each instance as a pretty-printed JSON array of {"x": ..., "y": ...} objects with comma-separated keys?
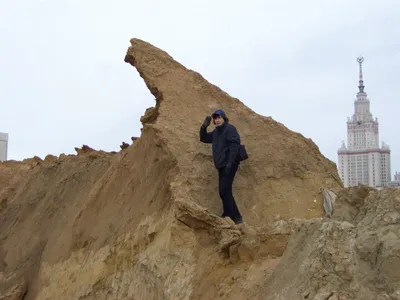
[{"x": 238, "y": 220}]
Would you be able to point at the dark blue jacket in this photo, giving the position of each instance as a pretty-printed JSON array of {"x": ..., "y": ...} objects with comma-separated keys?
[{"x": 225, "y": 141}]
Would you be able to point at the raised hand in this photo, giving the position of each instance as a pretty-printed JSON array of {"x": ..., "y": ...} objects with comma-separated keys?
[{"x": 206, "y": 122}]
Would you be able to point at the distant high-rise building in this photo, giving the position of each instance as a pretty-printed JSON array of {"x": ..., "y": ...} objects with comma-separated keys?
[
  {"x": 363, "y": 161},
  {"x": 3, "y": 146},
  {"x": 396, "y": 182},
  {"x": 397, "y": 176}
]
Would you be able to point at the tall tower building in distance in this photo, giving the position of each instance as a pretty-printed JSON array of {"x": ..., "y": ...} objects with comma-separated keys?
[
  {"x": 3, "y": 146},
  {"x": 363, "y": 161}
]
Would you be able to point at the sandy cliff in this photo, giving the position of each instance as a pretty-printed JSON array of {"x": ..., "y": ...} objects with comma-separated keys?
[{"x": 142, "y": 223}]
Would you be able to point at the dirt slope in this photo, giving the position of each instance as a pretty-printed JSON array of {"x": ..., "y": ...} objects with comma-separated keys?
[
  {"x": 354, "y": 256},
  {"x": 141, "y": 224}
]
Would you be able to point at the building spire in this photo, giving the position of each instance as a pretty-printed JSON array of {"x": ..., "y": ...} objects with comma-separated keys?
[{"x": 361, "y": 82}]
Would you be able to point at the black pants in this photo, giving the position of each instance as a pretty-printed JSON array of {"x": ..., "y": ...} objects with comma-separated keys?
[{"x": 225, "y": 192}]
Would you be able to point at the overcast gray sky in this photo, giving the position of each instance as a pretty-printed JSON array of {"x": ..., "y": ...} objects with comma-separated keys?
[{"x": 63, "y": 81}]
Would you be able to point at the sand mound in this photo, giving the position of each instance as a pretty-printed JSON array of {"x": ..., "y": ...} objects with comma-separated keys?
[
  {"x": 354, "y": 256},
  {"x": 141, "y": 223}
]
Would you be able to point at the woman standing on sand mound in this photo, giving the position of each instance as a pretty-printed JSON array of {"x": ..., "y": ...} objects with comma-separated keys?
[{"x": 227, "y": 153}]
